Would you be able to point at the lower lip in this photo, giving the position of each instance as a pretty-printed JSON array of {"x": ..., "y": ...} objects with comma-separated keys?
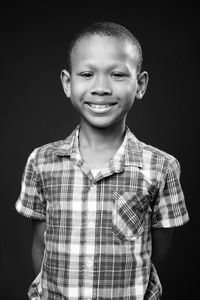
[{"x": 100, "y": 110}]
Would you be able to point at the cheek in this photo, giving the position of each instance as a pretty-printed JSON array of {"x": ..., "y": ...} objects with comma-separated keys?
[
  {"x": 126, "y": 92},
  {"x": 77, "y": 89}
]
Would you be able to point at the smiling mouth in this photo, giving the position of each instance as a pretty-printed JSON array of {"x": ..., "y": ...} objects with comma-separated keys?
[{"x": 100, "y": 108}]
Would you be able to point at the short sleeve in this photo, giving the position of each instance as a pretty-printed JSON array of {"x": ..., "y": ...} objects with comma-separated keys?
[
  {"x": 169, "y": 206},
  {"x": 31, "y": 202}
]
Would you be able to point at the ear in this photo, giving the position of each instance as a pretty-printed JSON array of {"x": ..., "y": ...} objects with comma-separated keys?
[
  {"x": 142, "y": 82},
  {"x": 66, "y": 82}
]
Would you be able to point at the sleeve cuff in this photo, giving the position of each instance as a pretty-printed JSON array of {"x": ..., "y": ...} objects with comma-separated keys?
[
  {"x": 176, "y": 222},
  {"x": 29, "y": 213}
]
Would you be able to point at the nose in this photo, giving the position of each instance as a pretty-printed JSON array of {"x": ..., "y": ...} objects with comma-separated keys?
[{"x": 101, "y": 87}]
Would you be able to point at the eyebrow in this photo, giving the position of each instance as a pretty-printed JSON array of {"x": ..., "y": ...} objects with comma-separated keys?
[{"x": 110, "y": 67}]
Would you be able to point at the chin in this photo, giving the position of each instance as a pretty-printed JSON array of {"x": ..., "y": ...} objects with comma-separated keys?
[
  {"x": 103, "y": 125},
  {"x": 103, "y": 122}
]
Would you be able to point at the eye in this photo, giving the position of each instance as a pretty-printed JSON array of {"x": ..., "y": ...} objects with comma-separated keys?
[
  {"x": 118, "y": 75},
  {"x": 86, "y": 75}
]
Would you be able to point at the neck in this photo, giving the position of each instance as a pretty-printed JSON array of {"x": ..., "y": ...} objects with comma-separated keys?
[{"x": 101, "y": 138}]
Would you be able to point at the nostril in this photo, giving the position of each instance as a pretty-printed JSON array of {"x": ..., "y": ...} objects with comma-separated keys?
[{"x": 101, "y": 91}]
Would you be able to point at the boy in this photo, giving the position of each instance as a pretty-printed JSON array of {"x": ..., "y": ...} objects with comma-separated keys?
[{"x": 103, "y": 203}]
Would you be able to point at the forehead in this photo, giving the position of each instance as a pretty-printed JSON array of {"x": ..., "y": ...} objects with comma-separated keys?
[{"x": 103, "y": 49}]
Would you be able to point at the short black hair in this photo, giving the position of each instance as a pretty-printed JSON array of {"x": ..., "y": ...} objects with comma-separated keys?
[{"x": 107, "y": 29}]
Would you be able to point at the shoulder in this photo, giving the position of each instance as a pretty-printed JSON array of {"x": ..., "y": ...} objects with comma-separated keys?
[
  {"x": 156, "y": 153},
  {"x": 49, "y": 153},
  {"x": 46, "y": 150},
  {"x": 153, "y": 158},
  {"x": 158, "y": 158}
]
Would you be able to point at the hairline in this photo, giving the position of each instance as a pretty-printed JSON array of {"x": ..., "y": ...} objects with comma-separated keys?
[{"x": 133, "y": 41}]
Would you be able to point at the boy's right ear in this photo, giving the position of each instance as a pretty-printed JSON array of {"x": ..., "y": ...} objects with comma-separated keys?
[{"x": 66, "y": 82}]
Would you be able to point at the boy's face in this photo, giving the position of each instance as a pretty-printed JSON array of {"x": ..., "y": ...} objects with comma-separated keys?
[{"x": 103, "y": 82}]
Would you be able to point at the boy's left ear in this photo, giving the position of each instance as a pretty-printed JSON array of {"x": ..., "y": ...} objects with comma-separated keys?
[
  {"x": 142, "y": 82},
  {"x": 66, "y": 83}
]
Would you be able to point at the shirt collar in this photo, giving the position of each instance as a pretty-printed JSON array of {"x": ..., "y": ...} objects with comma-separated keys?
[
  {"x": 70, "y": 144},
  {"x": 129, "y": 153},
  {"x": 134, "y": 151}
]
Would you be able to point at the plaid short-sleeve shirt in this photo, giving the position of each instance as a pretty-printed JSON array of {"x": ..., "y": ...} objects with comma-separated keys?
[{"x": 98, "y": 242}]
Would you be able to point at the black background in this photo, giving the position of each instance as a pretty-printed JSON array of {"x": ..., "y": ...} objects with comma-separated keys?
[{"x": 34, "y": 111}]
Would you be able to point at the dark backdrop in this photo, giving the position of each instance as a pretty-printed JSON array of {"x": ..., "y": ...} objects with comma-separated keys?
[{"x": 34, "y": 111}]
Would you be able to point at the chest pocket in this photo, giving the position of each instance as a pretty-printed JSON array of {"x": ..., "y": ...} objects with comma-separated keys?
[{"x": 128, "y": 214}]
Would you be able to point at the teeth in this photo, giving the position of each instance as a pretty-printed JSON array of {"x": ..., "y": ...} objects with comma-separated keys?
[{"x": 99, "y": 106}]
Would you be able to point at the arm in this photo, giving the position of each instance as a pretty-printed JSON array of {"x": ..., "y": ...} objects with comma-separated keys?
[
  {"x": 38, "y": 244},
  {"x": 161, "y": 239}
]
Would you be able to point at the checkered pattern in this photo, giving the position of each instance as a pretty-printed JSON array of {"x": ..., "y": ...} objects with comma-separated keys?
[{"x": 98, "y": 229}]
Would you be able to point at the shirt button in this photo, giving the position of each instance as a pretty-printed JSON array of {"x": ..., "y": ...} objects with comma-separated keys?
[
  {"x": 91, "y": 224},
  {"x": 92, "y": 186},
  {"x": 89, "y": 263}
]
